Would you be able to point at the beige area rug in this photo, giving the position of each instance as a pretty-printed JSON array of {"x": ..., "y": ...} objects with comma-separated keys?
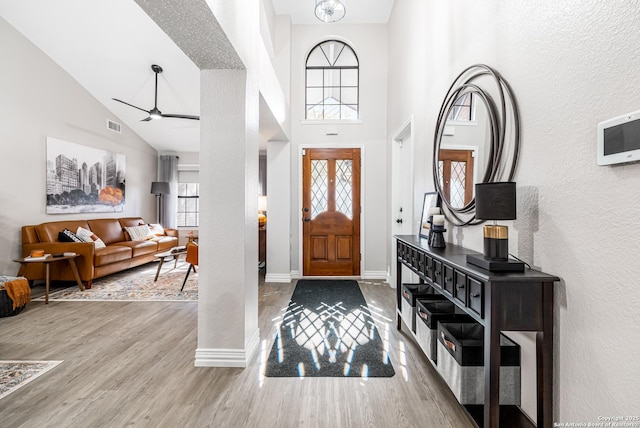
[
  {"x": 16, "y": 374},
  {"x": 136, "y": 284}
]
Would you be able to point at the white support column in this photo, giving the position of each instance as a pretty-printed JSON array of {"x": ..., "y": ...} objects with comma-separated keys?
[
  {"x": 278, "y": 212},
  {"x": 228, "y": 334}
]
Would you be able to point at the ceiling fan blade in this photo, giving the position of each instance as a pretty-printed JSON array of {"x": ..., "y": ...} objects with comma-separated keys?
[
  {"x": 154, "y": 113},
  {"x": 130, "y": 105},
  {"x": 181, "y": 116}
]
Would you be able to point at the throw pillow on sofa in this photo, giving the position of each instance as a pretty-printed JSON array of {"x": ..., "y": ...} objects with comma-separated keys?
[
  {"x": 88, "y": 236},
  {"x": 156, "y": 229},
  {"x": 138, "y": 233},
  {"x": 68, "y": 236}
]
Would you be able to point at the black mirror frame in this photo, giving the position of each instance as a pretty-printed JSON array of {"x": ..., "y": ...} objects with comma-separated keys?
[{"x": 504, "y": 118}]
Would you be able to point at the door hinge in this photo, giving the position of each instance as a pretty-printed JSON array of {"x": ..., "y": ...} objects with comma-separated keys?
[{"x": 304, "y": 152}]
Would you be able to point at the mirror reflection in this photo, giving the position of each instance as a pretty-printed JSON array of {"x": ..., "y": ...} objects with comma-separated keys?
[
  {"x": 464, "y": 149},
  {"x": 476, "y": 140}
]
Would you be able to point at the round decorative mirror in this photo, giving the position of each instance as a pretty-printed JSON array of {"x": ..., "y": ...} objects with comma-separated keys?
[{"x": 477, "y": 140}]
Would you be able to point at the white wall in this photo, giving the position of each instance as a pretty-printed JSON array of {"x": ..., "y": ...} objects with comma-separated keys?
[
  {"x": 278, "y": 212},
  {"x": 370, "y": 44},
  {"x": 228, "y": 302},
  {"x": 229, "y": 124},
  {"x": 38, "y": 100},
  {"x": 571, "y": 64}
]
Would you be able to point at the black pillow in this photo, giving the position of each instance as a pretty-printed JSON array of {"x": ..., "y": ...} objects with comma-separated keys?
[{"x": 68, "y": 236}]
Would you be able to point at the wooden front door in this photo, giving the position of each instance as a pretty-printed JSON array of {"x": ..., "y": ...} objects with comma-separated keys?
[
  {"x": 331, "y": 212},
  {"x": 456, "y": 176}
]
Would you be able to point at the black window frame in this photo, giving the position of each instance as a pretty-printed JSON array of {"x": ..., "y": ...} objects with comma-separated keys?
[
  {"x": 185, "y": 212},
  {"x": 324, "y": 86},
  {"x": 460, "y": 105}
]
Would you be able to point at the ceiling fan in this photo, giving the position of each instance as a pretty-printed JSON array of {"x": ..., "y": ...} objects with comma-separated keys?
[{"x": 154, "y": 113}]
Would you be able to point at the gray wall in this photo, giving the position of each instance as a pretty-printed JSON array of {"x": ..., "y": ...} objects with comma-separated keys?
[{"x": 38, "y": 100}]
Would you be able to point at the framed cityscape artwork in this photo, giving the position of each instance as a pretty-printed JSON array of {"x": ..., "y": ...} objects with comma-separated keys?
[{"x": 83, "y": 179}]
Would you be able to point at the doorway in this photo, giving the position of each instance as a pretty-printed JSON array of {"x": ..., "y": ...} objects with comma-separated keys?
[
  {"x": 456, "y": 172},
  {"x": 402, "y": 195},
  {"x": 331, "y": 212}
]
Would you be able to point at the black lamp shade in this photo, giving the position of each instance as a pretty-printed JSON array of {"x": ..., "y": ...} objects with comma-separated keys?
[
  {"x": 496, "y": 201},
  {"x": 160, "y": 188}
]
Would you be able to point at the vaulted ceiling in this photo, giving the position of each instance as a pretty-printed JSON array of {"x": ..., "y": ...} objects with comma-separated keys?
[{"x": 109, "y": 47}]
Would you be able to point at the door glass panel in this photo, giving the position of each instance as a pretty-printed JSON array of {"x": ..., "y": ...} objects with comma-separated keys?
[
  {"x": 458, "y": 176},
  {"x": 344, "y": 187},
  {"x": 319, "y": 187}
]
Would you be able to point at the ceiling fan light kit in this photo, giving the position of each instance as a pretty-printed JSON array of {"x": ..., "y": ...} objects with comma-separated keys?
[
  {"x": 155, "y": 113},
  {"x": 330, "y": 10}
]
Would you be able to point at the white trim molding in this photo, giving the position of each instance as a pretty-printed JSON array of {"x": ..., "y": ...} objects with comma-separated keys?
[
  {"x": 277, "y": 277},
  {"x": 376, "y": 274},
  {"x": 331, "y": 122},
  {"x": 295, "y": 274},
  {"x": 228, "y": 357}
]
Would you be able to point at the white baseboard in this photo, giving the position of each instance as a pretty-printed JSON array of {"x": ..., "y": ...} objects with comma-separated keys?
[
  {"x": 277, "y": 277},
  {"x": 375, "y": 274},
  {"x": 253, "y": 345},
  {"x": 295, "y": 274},
  {"x": 228, "y": 357}
]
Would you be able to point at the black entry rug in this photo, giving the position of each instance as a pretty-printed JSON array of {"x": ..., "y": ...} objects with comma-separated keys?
[{"x": 327, "y": 330}]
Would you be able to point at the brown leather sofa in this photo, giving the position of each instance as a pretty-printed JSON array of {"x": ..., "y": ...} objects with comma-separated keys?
[{"x": 119, "y": 254}]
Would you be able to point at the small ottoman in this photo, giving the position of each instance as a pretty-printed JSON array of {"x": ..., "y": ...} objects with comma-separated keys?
[{"x": 18, "y": 287}]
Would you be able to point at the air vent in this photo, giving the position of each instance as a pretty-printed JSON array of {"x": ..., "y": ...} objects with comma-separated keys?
[{"x": 114, "y": 126}]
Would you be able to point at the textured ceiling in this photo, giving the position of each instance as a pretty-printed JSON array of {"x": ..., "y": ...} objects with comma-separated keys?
[{"x": 192, "y": 26}]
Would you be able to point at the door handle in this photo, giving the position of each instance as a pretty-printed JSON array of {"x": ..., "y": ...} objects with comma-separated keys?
[{"x": 399, "y": 221}]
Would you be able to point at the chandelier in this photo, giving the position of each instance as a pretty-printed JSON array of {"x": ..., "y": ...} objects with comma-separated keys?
[{"x": 330, "y": 10}]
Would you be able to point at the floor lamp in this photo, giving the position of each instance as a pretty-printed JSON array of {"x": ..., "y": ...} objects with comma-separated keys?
[{"x": 160, "y": 188}]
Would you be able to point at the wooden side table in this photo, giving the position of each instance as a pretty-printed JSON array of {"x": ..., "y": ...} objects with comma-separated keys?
[
  {"x": 162, "y": 256},
  {"x": 47, "y": 261}
]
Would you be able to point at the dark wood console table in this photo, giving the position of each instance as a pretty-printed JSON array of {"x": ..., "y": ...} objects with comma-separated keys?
[{"x": 500, "y": 302}]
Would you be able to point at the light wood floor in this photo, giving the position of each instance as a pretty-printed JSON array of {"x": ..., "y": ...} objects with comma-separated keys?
[{"x": 131, "y": 364}]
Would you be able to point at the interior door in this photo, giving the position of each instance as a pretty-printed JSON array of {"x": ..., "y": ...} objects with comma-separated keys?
[
  {"x": 456, "y": 175},
  {"x": 331, "y": 212},
  {"x": 403, "y": 189},
  {"x": 402, "y": 215}
]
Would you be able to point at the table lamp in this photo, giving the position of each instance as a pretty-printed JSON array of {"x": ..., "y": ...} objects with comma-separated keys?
[{"x": 496, "y": 201}]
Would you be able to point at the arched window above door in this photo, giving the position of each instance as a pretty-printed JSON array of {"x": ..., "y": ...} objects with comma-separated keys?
[{"x": 332, "y": 82}]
